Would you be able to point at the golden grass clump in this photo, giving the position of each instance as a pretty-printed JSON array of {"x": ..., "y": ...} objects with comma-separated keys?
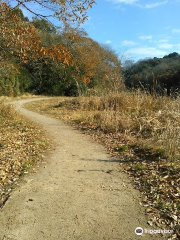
[
  {"x": 152, "y": 121},
  {"x": 6, "y": 111}
]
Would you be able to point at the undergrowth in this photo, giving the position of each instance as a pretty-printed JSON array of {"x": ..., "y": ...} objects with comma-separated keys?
[
  {"x": 142, "y": 132},
  {"x": 19, "y": 148},
  {"x": 154, "y": 122}
]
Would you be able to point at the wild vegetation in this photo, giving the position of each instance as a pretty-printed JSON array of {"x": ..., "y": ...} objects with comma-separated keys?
[
  {"x": 22, "y": 145},
  {"x": 54, "y": 61},
  {"x": 139, "y": 127},
  {"x": 158, "y": 75},
  {"x": 142, "y": 133},
  {"x": 37, "y": 57}
]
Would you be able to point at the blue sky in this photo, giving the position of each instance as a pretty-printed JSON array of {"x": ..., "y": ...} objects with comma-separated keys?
[{"x": 135, "y": 29}]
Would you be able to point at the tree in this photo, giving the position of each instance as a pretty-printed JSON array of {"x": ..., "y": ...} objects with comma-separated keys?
[
  {"x": 44, "y": 25},
  {"x": 128, "y": 63},
  {"x": 57, "y": 61},
  {"x": 66, "y": 11},
  {"x": 158, "y": 75},
  {"x": 95, "y": 64},
  {"x": 20, "y": 40}
]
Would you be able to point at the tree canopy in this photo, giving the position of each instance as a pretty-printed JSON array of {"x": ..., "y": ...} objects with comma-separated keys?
[
  {"x": 22, "y": 36},
  {"x": 158, "y": 75},
  {"x": 54, "y": 61},
  {"x": 65, "y": 11}
]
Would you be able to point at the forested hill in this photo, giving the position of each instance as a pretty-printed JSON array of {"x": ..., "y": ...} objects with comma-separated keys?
[
  {"x": 158, "y": 75},
  {"x": 37, "y": 57}
]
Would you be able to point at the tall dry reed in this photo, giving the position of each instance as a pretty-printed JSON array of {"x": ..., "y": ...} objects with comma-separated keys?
[{"x": 152, "y": 121}]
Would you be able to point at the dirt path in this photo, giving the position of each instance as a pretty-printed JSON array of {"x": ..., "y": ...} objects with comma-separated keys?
[{"x": 80, "y": 194}]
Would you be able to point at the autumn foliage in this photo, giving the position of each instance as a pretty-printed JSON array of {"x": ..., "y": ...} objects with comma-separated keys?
[
  {"x": 20, "y": 39},
  {"x": 62, "y": 58}
]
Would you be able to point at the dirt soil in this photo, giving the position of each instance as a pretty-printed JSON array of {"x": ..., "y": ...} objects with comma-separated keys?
[{"x": 79, "y": 193}]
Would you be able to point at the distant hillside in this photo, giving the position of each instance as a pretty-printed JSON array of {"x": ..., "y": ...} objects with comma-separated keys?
[{"x": 157, "y": 75}]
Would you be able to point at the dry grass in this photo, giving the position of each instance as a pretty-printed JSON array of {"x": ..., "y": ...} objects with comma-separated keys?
[
  {"x": 22, "y": 144},
  {"x": 143, "y": 133},
  {"x": 150, "y": 121},
  {"x": 142, "y": 119}
]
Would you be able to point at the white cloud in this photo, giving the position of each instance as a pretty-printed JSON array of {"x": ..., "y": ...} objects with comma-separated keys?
[
  {"x": 176, "y": 30},
  {"x": 136, "y": 2},
  {"x": 108, "y": 42},
  {"x": 128, "y": 43},
  {"x": 146, "y": 37},
  {"x": 162, "y": 41},
  {"x": 129, "y": 2},
  {"x": 165, "y": 45},
  {"x": 154, "y": 5},
  {"x": 147, "y": 52}
]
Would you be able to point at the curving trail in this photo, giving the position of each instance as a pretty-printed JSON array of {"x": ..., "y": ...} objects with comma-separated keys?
[{"x": 76, "y": 196}]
